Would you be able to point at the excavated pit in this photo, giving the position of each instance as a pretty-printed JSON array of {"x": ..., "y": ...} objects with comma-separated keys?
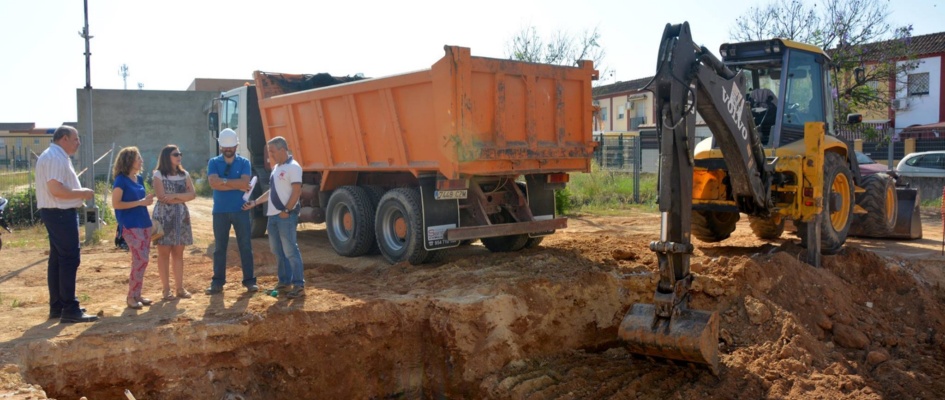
[{"x": 539, "y": 324}]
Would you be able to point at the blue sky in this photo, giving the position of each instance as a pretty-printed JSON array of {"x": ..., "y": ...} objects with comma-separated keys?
[{"x": 166, "y": 44}]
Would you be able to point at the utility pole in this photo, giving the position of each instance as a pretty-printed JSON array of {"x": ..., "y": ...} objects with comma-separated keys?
[
  {"x": 90, "y": 217},
  {"x": 123, "y": 71}
]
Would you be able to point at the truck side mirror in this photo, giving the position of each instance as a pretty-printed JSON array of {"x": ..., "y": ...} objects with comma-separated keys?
[{"x": 214, "y": 120}]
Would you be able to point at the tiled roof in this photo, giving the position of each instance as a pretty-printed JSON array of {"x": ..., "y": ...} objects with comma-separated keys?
[
  {"x": 928, "y": 44},
  {"x": 620, "y": 87},
  {"x": 922, "y": 45}
]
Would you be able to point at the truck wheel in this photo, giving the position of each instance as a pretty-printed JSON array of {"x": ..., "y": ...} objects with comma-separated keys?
[
  {"x": 375, "y": 193},
  {"x": 399, "y": 226},
  {"x": 504, "y": 244},
  {"x": 880, "y": 202},
  {"x": 350, "y": 215},
  {"x": 533, "y": 242},
  {"x": 258, "y": 224},
  {"x": 766, "y": 228},
  {"x": 713, "y": 226},
  {"x": 835, "y": 224}
]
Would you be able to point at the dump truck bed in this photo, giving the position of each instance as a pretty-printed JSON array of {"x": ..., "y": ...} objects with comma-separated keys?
[{"x": 464, "y": 116}]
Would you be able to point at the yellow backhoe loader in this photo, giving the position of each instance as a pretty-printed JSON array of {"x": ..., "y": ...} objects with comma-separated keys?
[{"x": 773, "y": 156}]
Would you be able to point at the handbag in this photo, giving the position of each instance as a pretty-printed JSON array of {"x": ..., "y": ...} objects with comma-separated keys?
[{"x": 157, "y": 228}]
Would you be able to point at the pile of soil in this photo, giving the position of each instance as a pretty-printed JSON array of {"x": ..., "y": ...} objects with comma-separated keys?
[{"x": 537, "y": 324}]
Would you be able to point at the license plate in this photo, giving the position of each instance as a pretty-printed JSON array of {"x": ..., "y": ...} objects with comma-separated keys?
[{"x": 449, "y": 194}]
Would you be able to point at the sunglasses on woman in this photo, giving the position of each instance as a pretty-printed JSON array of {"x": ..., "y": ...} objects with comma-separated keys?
[{"x": 176, "y": 154}]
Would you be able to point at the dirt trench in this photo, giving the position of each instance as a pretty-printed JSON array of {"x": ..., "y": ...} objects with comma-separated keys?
[{"x": 538, "y": 324}]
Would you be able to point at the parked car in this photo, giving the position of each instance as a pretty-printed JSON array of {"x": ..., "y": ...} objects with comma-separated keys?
[
  {"x": 868, "y": 166},
  {"x": 926, "y": 164}
]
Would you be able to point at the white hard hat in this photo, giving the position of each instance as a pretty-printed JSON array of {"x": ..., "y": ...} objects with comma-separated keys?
[{"x": 228, "y": 138}]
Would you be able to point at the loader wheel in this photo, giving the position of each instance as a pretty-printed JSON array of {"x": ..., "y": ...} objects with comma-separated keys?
[
  {"x": 881, "y": 205},
  {"x": 713, "y": 226},
  {"x": 350, "y": 220},
  {"x": 835, "y": 223},
  {"x": 399, "y": 227},
  {"x": 766, "y": 228}
]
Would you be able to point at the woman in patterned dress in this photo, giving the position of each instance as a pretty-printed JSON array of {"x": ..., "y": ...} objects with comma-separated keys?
[{"x": 173, "y": 188}]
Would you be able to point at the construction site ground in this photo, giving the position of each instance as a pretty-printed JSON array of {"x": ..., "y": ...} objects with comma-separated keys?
[{"x": 536, "y": 324}]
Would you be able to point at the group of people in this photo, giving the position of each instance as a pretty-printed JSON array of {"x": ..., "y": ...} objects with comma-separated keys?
[{"x": 59, "y": 194}]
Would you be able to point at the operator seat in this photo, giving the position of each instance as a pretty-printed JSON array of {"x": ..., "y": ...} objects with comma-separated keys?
[{"x": 765, "y": 111}]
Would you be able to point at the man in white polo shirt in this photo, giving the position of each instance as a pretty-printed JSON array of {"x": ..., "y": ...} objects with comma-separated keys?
[{"x": 58, "y": 194}]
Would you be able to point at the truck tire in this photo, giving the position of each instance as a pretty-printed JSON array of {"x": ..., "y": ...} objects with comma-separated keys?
[
  {"x": 375, "y": 193},
  {"x": 766, "y": 228},
  {"x": 349, "y": 221},
  {"x": 257, "y": 216},
  {"x": 502, "y": 244},
  {"x": 880, "y": 202},
  {"x": 713, "y": 226},
  {"x": 258, "y": 224},
  {"x": 532, "y": 242},
  {"x": 835, "y": 224},
  {"x": 399, "y": 226}
]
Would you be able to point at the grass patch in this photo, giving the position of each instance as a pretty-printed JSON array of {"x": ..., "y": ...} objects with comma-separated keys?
[
  {"x": 11, "y": 182},
  {"x": 33, "y": 237},
  {"x": 602, "y": 191}
]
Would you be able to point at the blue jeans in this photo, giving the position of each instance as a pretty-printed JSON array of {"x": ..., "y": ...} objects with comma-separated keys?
[
  {"x": 285, "y": 246},
  {"x": 221, "y": 235},
  {"x": 64, "y": 258}
]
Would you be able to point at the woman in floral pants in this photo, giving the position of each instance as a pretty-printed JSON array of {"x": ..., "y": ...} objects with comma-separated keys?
[{"x": 131, "y": 202}]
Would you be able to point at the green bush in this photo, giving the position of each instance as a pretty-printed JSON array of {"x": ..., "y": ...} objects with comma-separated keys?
[
  {"x": 21, "y": 211},
  {"x": 103, "y": 199}
]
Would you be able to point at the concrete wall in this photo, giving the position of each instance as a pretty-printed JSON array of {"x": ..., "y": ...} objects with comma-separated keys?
[{"x": 149, "y": 119}]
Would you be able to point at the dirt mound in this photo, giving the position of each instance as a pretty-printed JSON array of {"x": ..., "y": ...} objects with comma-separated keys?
[{"x": 537, "y": 324}]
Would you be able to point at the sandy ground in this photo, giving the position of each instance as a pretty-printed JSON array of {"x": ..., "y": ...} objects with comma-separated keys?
[{"x": 537, "y": 324}]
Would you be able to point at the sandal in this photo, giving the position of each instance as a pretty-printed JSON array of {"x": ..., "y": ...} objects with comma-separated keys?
[
  {"x": 183, "y": 293},
  {"x": 167, "y": 295}
]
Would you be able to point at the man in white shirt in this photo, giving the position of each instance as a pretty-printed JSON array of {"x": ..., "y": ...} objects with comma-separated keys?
[
  {"x": 58, "y": 194},
  {"x": 285, "y": 189}
]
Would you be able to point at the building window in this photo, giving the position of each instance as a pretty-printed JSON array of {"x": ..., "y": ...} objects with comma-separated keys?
[
  {"x": 620, "y": 113},
  {"x": 918, "y": 84},
  {"x": 603, "y": 114}
]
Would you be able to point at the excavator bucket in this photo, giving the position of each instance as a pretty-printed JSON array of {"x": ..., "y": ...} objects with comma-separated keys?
[
  {"x": 908, "y": 219},
  {"x": 690, "y": 335}
]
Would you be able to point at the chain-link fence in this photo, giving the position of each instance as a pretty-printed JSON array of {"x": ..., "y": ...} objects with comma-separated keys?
[{"x": 635, "y": 153}]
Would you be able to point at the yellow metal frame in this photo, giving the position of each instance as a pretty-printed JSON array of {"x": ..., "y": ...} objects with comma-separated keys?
[{"x": 803, "y": 159}]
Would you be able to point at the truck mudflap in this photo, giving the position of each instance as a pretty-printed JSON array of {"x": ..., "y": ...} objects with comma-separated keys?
[
  {"x": 908, "y": 220},
  {"x": 515, "y": 228},
  {"x": 438, "y": 216}
]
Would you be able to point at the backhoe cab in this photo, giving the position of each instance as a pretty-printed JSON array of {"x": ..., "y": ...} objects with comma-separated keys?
[{"x": 773, "y": 156}]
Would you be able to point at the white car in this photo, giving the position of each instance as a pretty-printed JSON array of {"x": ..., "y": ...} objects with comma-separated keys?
[{"x": 930, "y": 164}]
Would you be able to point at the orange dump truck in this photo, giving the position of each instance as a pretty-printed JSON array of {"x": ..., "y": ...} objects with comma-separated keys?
[{"x": 412, "y": 164}]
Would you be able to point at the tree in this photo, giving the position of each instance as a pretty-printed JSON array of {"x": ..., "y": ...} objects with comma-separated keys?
[
  {"x": 561, "y": 48},
  {"x": 855, "y": 33}
]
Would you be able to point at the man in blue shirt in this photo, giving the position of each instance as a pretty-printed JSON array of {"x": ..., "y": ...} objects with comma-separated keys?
[{"x": 229, "y": 175}]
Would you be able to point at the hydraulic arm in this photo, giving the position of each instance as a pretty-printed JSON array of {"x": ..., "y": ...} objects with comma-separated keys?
[{"x": 690, "y": 78}]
